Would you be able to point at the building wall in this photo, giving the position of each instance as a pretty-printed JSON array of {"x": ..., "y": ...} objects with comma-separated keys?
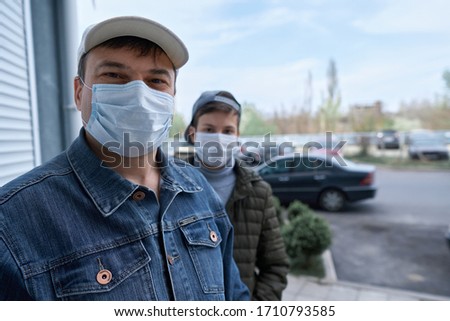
[
  {"x": 38, "y": 119},
  {"x": 19, "y": 128}
]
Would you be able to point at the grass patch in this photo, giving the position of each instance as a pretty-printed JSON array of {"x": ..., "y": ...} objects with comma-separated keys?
[
  {"x": 405, "y": 163},
  {"x": 314, "y": 268}
]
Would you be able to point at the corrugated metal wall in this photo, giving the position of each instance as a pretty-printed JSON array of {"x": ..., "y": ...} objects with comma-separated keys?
[{"x": 17, "y": 148}]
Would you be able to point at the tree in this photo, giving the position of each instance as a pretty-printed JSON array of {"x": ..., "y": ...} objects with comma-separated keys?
[
  {"x": 446, "y": 77},
  {"x": 308, "y": 99},
  {"x": 329, "y": 110},
  {"x": 303, "y": 118},
  {"x": 299, "y": 119},
  {"x": 253, "y": 123},
  {"x": 445, "y": 102},
  {"x": 178, "y": 125}
]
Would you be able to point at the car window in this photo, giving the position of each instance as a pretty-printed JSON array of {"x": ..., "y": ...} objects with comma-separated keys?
[
  {"x": 308, "y": 164},
  {"x": 284, "y": 165},
  {"x": 316, "y": 163},
  {"x": 296, "y": 164},
  {"x": 427, "y": 142}
]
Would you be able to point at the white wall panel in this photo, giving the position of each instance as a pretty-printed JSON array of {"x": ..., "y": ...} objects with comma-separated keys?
[{"x": 17, "y": 122}]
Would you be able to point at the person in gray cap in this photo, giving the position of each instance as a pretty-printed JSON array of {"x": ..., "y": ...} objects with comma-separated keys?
[
  {"x": 258, "y": 246},
  {"x": 112, "y": 217}
]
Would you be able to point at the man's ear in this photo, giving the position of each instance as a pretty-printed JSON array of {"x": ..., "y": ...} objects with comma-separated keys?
[
  {"x": 77, "y": 90},
  {"x": 191, "y": 134}
]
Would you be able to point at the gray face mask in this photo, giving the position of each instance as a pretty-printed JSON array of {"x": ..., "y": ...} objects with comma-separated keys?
[
  {"x": 130, "y": 120},
  {"x": 215, "y": 150}
]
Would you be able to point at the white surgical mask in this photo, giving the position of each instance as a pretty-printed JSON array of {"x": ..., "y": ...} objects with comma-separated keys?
[
  {"x": 132, "y": 119},
  {"x": 215, "y": 150}
]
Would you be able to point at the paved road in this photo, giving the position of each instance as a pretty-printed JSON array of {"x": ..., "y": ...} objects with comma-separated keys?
[{"x": 396, "y": 239}]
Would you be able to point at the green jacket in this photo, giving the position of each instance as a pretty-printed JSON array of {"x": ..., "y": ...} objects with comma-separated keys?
[
  {"x": 258, "y": 246},
  {"x": 259, "y": 249}
]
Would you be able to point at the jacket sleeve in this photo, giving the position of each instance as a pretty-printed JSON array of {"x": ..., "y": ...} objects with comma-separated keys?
[
  {"x": 12, "y": 285},
  {"x": 235, "y": 289},
  {"x": 272, "y": 260}
]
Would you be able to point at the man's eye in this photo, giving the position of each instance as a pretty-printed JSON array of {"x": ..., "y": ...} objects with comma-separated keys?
[
  {"x": 157, "y": 81},
  {"x": 112, "y": 75}
]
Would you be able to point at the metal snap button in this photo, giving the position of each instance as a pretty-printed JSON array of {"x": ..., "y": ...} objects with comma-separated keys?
[
  {"x": 138, "y": 196},
  {"x": 213, "y": 236},
  {"x": 104, "y": 277}
]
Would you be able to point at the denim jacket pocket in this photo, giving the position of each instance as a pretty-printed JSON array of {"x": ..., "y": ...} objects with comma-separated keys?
[
  {"x": 95, "y": 276},
  {"x": 203, "y": 239}
]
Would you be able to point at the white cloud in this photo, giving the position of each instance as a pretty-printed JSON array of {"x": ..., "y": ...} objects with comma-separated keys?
[
  {"x": 404, "y": 75},
  {"x": 183, "y": 17},
  {"x": 201, "y": 24},
  {"x": 214, "y": 32},
  {"x": 369, "y": 68},
  {"x": 267, "y": 87},
  {"x": 408, "y": 16}
]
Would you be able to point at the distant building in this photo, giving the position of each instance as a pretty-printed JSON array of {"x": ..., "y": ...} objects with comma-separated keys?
[{"x": 365, "y": 118}]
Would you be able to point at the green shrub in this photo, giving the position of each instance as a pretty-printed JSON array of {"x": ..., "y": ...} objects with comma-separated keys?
[
  {"x": 297, "y": 208},
  {"x": 305, "y": 237},
  {"x": 279, "y": 210},
  {"x": 314, "y": 268}
]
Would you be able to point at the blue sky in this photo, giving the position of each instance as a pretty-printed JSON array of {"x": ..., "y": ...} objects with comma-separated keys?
[{"x": 263, "y": 50}]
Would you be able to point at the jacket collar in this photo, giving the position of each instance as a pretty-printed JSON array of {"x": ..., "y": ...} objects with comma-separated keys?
[
  {"x": 244, "y": 179},
  {"x": 109, "y": 190}
]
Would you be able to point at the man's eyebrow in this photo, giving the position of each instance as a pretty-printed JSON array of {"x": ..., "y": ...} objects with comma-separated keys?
[
  {"x": 213, "y": 126},
  {"x": 109, "y": 63},
  {"x": 159, "y": 71},
  {"x": 115, "y": 64},
  {"x": 208, "y": 124}
]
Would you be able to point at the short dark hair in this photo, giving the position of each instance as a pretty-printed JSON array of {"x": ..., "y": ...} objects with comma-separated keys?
[
  {"x": 142, "y": 46},
  {"x": 211, "y": 107},
  {"x": 216, "y": 105}
]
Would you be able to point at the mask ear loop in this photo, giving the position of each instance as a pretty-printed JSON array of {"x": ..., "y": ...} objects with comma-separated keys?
[
  {"x": 90, "y": 88},
  {"x": 84, "y": 84}
]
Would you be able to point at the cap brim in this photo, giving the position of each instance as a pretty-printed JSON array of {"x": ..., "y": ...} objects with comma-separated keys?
[{"x": 137, "y": 27}]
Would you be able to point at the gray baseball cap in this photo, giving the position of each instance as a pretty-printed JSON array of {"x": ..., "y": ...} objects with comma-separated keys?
[
  {"x": 137, "y": 27},
  {"x": 209, "y": 97}
]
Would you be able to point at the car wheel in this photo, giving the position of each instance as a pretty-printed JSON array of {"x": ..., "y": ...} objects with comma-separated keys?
[{"x": 332, "y": 200}]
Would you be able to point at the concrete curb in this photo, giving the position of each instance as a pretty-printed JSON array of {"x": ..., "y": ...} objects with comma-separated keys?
[{"x": 328, "y": 264}]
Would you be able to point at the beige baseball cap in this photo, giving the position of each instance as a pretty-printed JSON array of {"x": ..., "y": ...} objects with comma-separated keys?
[{"x": 137, "y": 27}]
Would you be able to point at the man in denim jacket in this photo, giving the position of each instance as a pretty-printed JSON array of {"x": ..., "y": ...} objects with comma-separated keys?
[{"x": 112, "y": 218}]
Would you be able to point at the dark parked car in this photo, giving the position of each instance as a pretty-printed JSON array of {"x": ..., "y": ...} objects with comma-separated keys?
[
  {"x": 319, "y": 179},
  {"x": 388, "y": 139},
  {"x": 252, "y": 154},
  {"x": 428, "y": 147}
]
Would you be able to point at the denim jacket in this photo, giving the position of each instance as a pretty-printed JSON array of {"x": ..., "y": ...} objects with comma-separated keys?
[{"x": 73, "y": 229}]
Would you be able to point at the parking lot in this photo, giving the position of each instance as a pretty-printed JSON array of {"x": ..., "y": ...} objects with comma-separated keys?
[{"x": 396, "y": 239}]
